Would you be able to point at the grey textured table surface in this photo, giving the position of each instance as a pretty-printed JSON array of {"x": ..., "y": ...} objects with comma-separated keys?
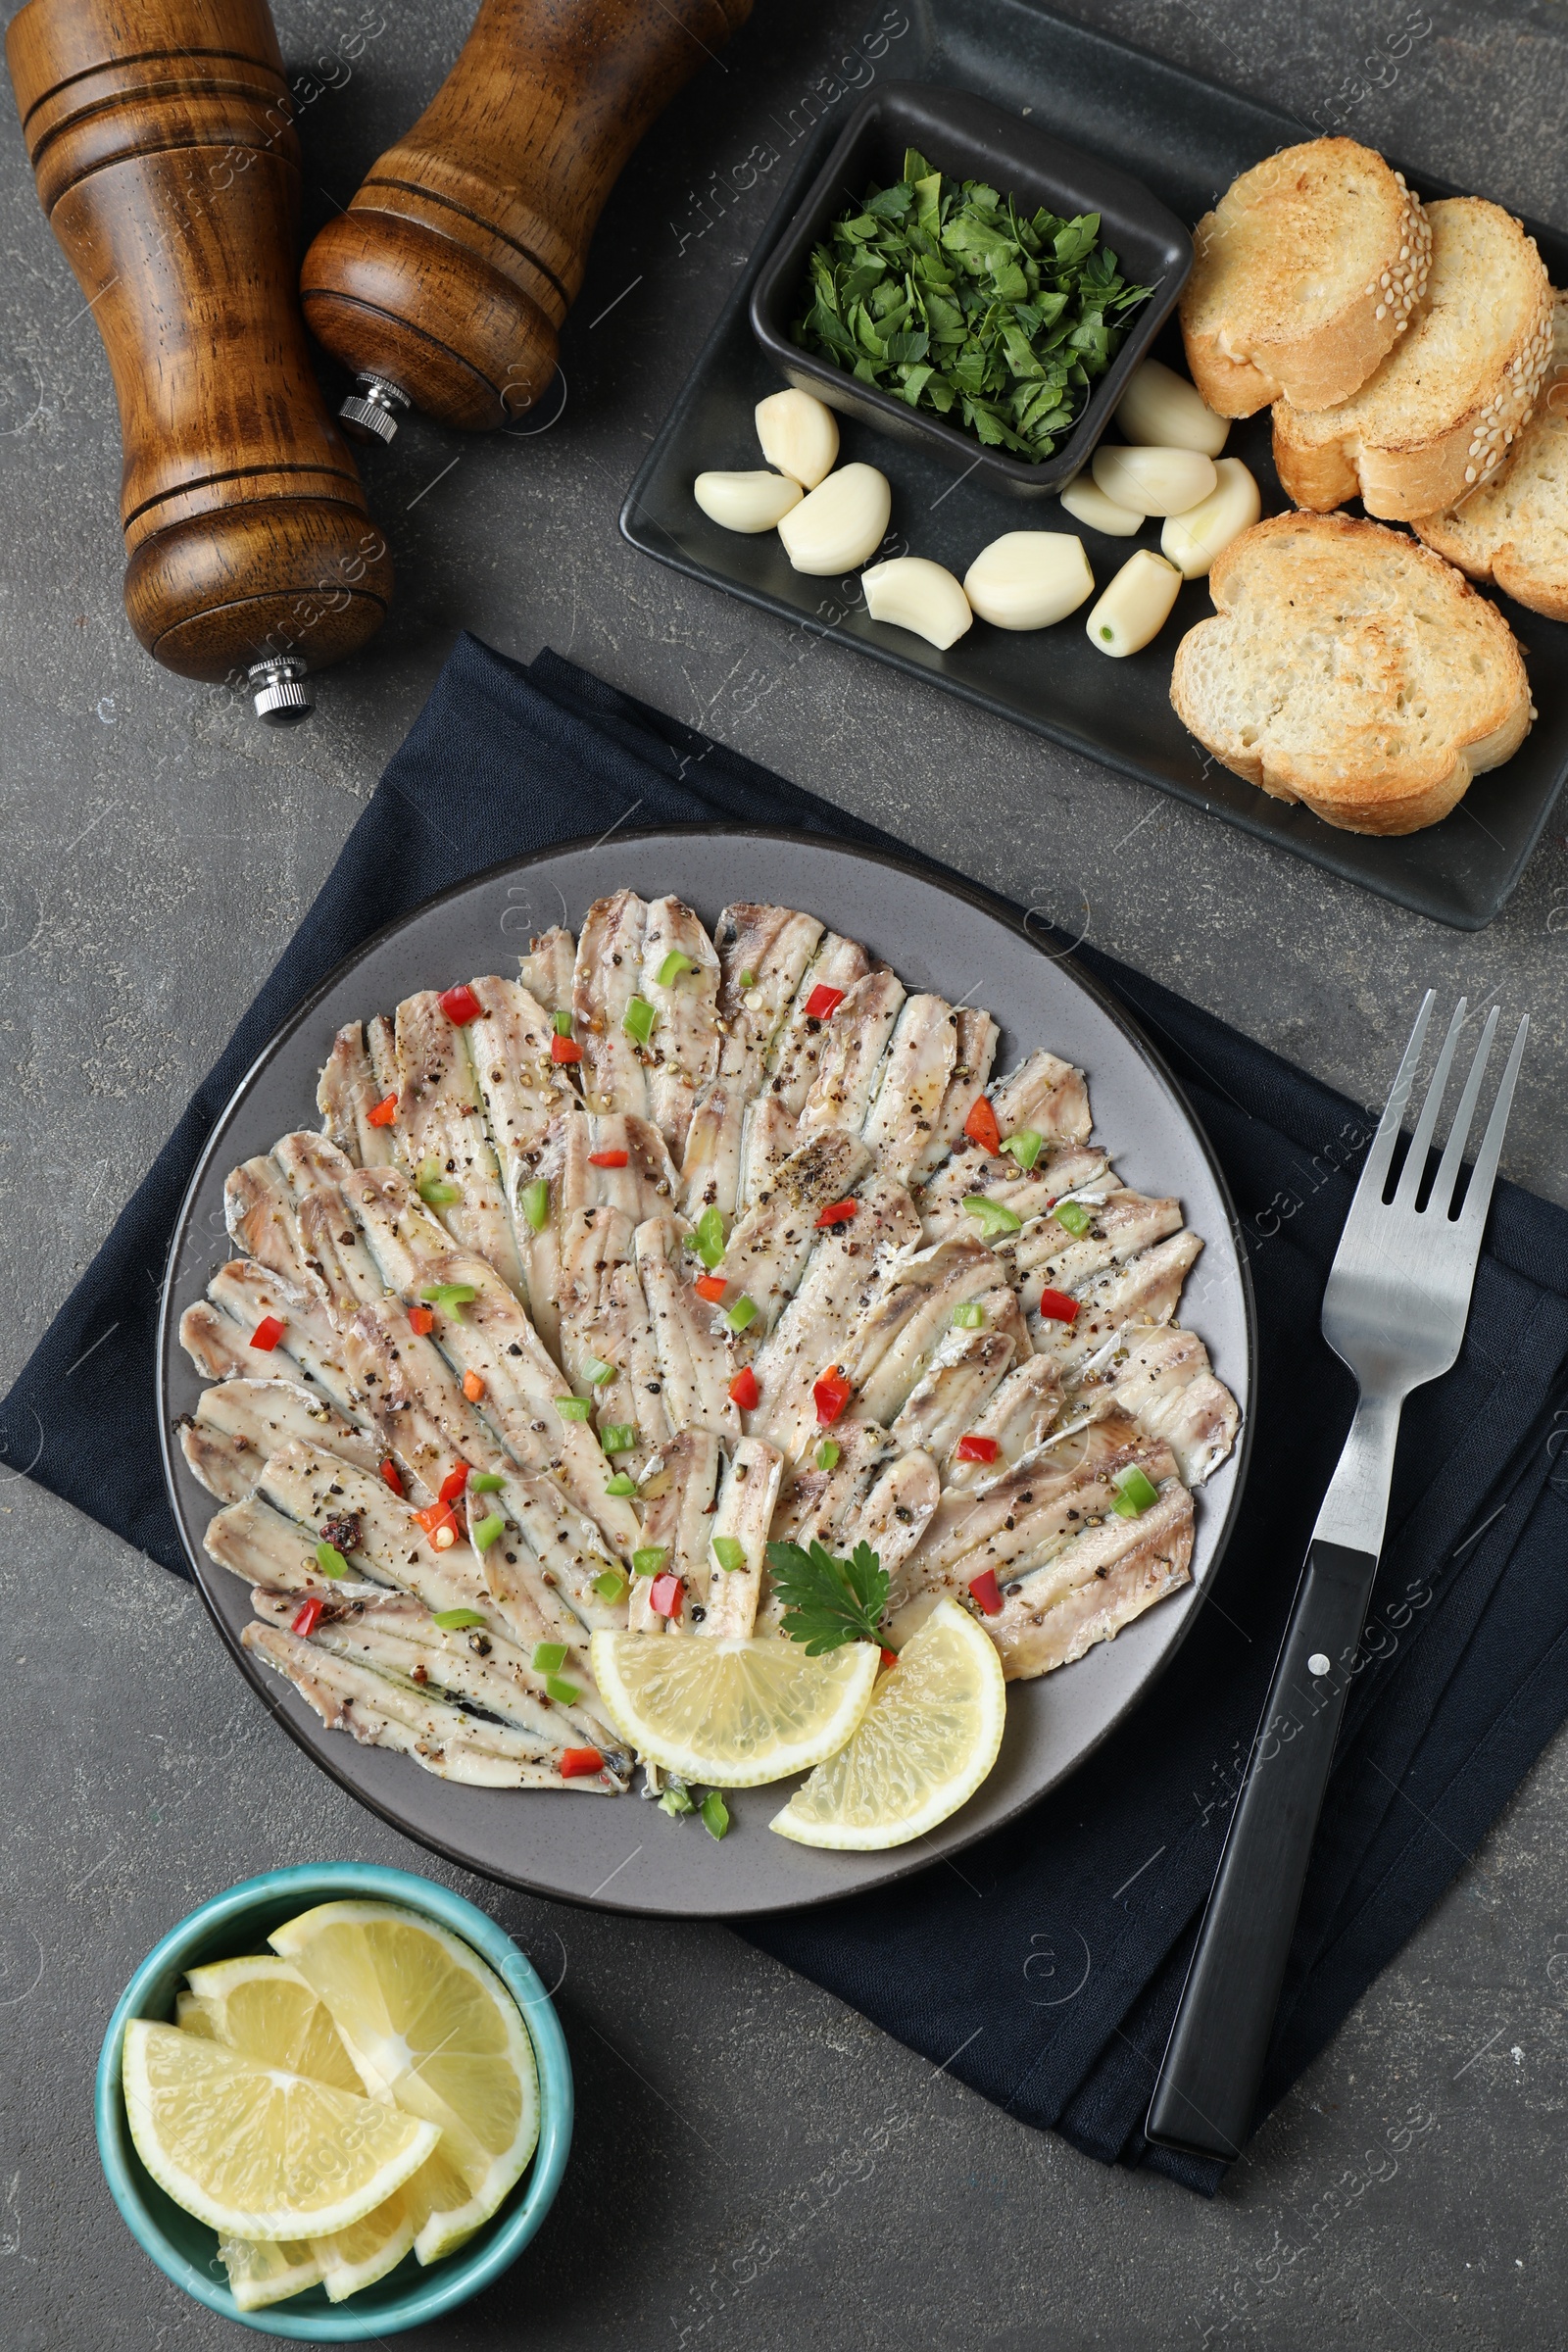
[{"x": 754, "y": 2166}]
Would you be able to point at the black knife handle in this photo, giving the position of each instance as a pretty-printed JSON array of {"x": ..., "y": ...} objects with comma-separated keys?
[{"x": 1206, "y": 2095}]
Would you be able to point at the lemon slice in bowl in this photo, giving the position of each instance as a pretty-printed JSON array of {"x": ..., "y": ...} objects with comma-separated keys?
[
  {"x": 264, "y": 2008},
  {"x": 732, "y": 1712},
  {"x": 255, "y": 2151},
  {"x": 929, "y": 1738},
  {"x": 429, "y": 2025},
  {"x": 263, "y": 2271}
]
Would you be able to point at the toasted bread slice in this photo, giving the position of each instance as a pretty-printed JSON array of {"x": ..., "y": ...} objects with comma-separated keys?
[
  {"x": 1513, "y": 528},
  {"x": 1351, "y": 669},
  {"x": 1441, "y": 411},
  {"x": 1305, "y": 274}
]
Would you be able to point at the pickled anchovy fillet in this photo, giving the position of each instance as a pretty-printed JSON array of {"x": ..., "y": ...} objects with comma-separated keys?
[
  {"x": 248, "y": 1294},
  {"x": 763, "y": 953},
  {"x": 1019, "y": 1416},
  {"x": 767, "y": 1138},
  {"x": 847, "y": 1269},
  {"x": 521, "y": 1088},
  {"x": 1046, "y": 1255},
  {"x": 1146, "y": 1290},
  {"x": 547, "y": 970},
  {"x": 683, "y": 1047},
  {"x": 1162, "y": 1377},
  {"x": 695, "y": 1364},
  {"x": 767, "y": 1251},
  {"x": 913, "y": 1084},
  {"x": 897, "y": 1339},
  {"x": 958, "y": 1382},
  {"x": 710, "y": 1165},
  {"x": 850, "y": 1061},
  {"x": 977, "y": 1038},
  {"x": 347, "y": 1094},
  {"x": 1094, "y": 1587},
  {"x": 971, "y": 1174},
  {"x": 605, "y": 979},
  {"x": 241, "y": 1421},
  {"x": 747, "y": 1495},
  {"x": 378, "y": 1713},
  {"x": 440, "y": 1130},
  {"x": 678, "y": 1491},
  {"x": 795, "y": 1056}
]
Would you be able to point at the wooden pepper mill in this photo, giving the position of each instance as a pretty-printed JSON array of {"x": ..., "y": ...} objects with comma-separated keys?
[
  {"x": 447, "y": 280},
  {"x": 162, "y": 139}
]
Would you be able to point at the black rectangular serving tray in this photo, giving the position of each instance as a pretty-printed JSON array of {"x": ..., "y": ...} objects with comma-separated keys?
[
  {"x": 975, "y": 139},
  {"x": 1187, "y": 140}
]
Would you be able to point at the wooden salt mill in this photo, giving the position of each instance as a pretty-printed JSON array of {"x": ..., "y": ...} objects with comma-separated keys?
[
  {"x": 161, "y": 135},
  {"x": 447, "y": 280}
]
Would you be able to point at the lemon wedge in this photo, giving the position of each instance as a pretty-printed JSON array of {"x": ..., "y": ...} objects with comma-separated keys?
[
  {"x": 263, "y": 2271},
  {"x": 434, "y": 2030},
  {"x": 929, "y": 1738},
  {"x": 264, "y": 2008},
  {"x": 257, "y": 2152},
  {"x": 732, "y": 1712}
]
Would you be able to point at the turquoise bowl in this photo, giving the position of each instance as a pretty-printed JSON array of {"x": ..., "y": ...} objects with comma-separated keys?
[{"x": 187, "y": 2250}]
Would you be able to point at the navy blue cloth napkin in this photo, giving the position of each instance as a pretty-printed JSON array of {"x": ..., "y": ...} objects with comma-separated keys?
[{"x": 1043, "y": 1966}]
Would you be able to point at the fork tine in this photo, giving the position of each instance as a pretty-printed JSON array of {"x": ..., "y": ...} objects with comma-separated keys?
[
  {"x": 1414, "y": 1168},
  {"x": 1376, "y": 1169},
  {"x": 1478, "y": 1198},
  {"x": 1459, "y": 1133}
]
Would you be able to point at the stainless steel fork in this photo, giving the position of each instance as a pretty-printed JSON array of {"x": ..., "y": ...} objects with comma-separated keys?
[{"x": 1397, "y": 1297}]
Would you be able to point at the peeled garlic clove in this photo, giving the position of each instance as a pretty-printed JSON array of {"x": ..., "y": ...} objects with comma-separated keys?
[
  {"x": 1157, "y": 482},
  {"x": 1137, "y": 605},
  {"x": 1162, "y": 410},
  {"x": 1028, "y": 579},
  {"x": 1192, "y": 540},
  {"x": 840, "y": 524},
  {"x": 1098, "y": 512},
  {"x": 799, "y": 435},
  {"x": 917, "y": 594},
  {"x": 745, "y": 502}
]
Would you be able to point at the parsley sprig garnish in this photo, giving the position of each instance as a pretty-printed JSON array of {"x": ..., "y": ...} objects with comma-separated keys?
[
  {"x": 829, "y": 1601},
  {"x": 942, "y": 293}
]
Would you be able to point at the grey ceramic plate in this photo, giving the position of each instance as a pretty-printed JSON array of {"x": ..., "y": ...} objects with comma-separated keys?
[{"x": 624, "y": 1854}]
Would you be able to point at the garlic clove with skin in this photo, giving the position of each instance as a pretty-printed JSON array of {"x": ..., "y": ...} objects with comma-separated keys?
[
  {"x": 1157, "y": 482},
  {"x": 913, "y": 593},
  {"x": 799, "y": 435},
  {"x": 1029, "y": 579},
  {"x": 841, "y": 523},
  {"x": 745, "y": 502},
  {"x": 1136, "y": 607}
]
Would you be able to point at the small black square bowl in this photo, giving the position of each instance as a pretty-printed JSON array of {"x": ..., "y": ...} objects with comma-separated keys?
[{"x": 970, "y": 139}]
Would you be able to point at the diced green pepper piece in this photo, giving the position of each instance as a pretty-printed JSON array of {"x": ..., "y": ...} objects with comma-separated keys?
[
  {"x": 573, "y": 1408},
  {"x": 970, "y": 1316},
  {"x": 730, "y": 1553},
  {"x": 611, "y": 1587},
  {"x": 450, "y": 1297},
  {"x": 456, "y": 1621},
  {"x": 674, "y": 964},
  {"x": 563, "y": 1024},
  {"x": 1025, "y": 1147},
  {"x": 1136, "y": 1492},
  {"x": 621, "y": 1484},
  {"x": 434, "y": 1187},
  {"x": 710, "y": 1237},
  {"x": 743, "y": 1312},
  {"x": 330, "y": 1560},
  {"x": 992, "y": 1216},
  {"x": 596, "y": 1372},
  {"x": 620, "y": 1438},
  {"x": 485, "y": 1481},
  {"x": 564, "y": 1695},
  {"x": 674, "y": 1801},
  {"x": 638, "y": 1020},
  {"x": 1073, "y": 1217},
  {"x": 549, "y": 1657},
  {"x": 827, "y": 1454},
  {"x": 650, "y": 1560},
  {"x": 535, "y": 1200},
  {"x": 745, "y": 980},
  {"x": 716, "y": 1814},
  {"x": 486, "y": 1531}
]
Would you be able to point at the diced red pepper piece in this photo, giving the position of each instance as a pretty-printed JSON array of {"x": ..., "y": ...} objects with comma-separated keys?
[
  {"x": 393, "y": 1476},
  {"x": 453, "y": 1484},
  {"x": 577, "y": 1762},
  {"x": 607, "y": 1159},
  {"x": 978, "y": 1450},
  {"x": 743, "y": 1390},
  {"x": 421, "y": 1321},
  {"x": 1058, "y": 1307},
  {"x": 461, "y": 1005},
  {"x": 838, "y": 1212},
  {"x": 473, "y": 1386},
  {"x": 981, "y": 1127},
  {"x": 385, "y": 1111},
  {"x": 565, "y": 1049},
  {"x": 665, "y": 1595},
  {"x": 831, "y": 1394},
  {"x": 269, "y": 1331},
  {"x": 823, "y": 1003},
  {"x": 985, "y": 1590},
  {"x": 439, "y": 1522},
  {"x": 307, "y": 1617},
  {"x": 710, "y": 1286},
  {"x": 890, "y": 1658}
]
